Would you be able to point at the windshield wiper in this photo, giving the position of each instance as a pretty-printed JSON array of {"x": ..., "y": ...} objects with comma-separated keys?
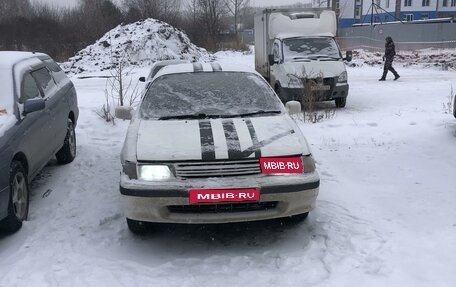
[
  {"x": 260, "y": 112},
  {"x": 301, "y": 58},
  {"x": 323, "y": 56},
  {"x": 189, "y": 116}
]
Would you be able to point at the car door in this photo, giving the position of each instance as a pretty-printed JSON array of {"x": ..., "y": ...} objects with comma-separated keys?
[
  {"x": 52, "y": 97},
  {"x": 60, "y": 100},
  {"x": 34, "y": 127}
]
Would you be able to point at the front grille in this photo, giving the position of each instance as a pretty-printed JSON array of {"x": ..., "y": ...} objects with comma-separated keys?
[
  {"x": 223, "y": 208},
  {"x": 217, "y": 168},
  {"x": 331, "y": 82}
]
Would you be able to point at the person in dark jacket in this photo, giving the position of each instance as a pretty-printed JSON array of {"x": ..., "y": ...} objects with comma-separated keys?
[{"x": 390, "y": 52}]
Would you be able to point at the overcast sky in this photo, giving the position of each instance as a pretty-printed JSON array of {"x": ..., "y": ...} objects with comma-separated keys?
[{"x": 253, "y": 2}]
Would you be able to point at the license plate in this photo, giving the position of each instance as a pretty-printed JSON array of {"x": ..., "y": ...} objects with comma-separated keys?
[
  {"x": 281, "y": 165},
  {"x": 320, "y": 88},
  {"x": 223, "y": 195}
]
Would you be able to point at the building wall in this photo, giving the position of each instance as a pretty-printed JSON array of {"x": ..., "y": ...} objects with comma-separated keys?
[
  {"x": 406, "y": 36},
  {"x": 387, "y": 13}
]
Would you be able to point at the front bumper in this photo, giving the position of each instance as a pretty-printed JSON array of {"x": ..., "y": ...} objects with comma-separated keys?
[
  {"x": 157, "y": 202},
  {"x": 339, "y": 90}
]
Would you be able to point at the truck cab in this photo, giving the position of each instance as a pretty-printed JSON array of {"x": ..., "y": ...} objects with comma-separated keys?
[{"x": 296, "y": 51}]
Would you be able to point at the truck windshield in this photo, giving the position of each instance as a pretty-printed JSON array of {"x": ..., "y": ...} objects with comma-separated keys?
[{"x": 295, "y": 49}]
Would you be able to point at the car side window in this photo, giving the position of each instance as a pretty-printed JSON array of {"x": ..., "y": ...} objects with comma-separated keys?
[
  {"x": 29, "y": 89},
  {"x": 56, "y": 72},
  {"x": 44, "y": 80},
  {"x": 276, "y": 52}
]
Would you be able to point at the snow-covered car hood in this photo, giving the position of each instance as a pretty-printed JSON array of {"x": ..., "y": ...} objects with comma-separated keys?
[
  {"x": 6, "y": 122},
  {"x": 218, "y": 139},
  {"x": 313, "y": 69}
]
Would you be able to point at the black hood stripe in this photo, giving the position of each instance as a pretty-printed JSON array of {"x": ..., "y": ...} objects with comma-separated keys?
[
  {"x": 253, "y": 135},
  {"x": 207, "y": 140},
  {"x": 197, "y": 67},
  {"x": 232, "y": 139},
  {"x": 216, "y": 67},
  {"x": 264, "y": 143}
]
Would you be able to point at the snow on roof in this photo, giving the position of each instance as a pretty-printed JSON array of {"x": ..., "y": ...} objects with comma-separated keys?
[
  {"x": 325, "y": 23},
  {"x": 207, "y": 67},
  {"x": 297, "y": 35},
  {"x": 9, "y": 59},
  {"x": 140, "y": 44},
  {"x": 21, "y": 62}
]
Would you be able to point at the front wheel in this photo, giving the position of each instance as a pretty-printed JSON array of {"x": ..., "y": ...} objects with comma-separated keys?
[
  {"x": 340, "y": 102},
  {"x": 18, "y": 205},
  {"x": 68, "y": 151}
]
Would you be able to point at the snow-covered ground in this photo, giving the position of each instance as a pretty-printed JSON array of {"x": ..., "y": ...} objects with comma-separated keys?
[{"x": 385, "y": 215}]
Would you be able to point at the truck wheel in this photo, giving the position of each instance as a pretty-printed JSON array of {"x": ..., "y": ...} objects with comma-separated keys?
[
  {"x": 18, "y": 205},
  {"x": 340, "y": 102},
  {"x": 68, "y": 151}
]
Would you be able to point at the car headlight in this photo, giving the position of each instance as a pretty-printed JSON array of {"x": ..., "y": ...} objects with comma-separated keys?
[
  {"x": 343, "y": 77},
  {"x": 154, "y": 172}
]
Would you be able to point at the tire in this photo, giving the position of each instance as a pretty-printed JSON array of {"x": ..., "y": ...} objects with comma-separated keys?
[
  {"x": 68, "y": 151},
  {"x": 137, "y": 227},
  {"x": 340, "y": 102},
  {"x": 18, "y": 205}
]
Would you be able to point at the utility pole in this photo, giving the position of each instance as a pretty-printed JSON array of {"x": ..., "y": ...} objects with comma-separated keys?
[
  {"x": 437, "y": 9},
  {"x": 398, "y": 9}
]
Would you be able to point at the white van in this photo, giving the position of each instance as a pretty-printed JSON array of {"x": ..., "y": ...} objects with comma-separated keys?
[{"x": 296, "y": 47}]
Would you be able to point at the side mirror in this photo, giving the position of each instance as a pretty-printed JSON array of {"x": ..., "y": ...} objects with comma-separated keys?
[
  {"x": 293, "y": 107},
  {"x": 123, "y": 113},
  {"x": 271, "y": 60},
  {"x": 33, "y": 105},
  {"x": 142, "y": 79},
  {"x": 349, "y": 56}
]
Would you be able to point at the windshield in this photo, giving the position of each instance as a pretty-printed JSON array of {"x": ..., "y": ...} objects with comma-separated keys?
[
  {"x": 215, "y": 94},
  {"x": 310, "y": 48}
]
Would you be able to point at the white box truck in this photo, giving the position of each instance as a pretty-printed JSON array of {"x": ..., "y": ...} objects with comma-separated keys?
[{"x": 297, "y": 47}]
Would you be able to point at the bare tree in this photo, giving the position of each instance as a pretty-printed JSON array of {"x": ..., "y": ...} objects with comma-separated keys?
[
  {"x": 212, "y": 12},
  {"x": 14, "y": 8},
  {"x": 236, "y": 8},
  {"x": 97, "y": 17},
  {"x": 164, "y": 10}
]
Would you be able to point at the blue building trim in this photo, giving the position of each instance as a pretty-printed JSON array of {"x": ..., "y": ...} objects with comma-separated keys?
[{"x": 346, "y": 22}]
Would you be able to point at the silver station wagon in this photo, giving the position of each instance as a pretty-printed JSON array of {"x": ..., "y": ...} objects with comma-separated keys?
[
  {"x": 214, "y": 144},
  {"x": 38, "y": 114}
]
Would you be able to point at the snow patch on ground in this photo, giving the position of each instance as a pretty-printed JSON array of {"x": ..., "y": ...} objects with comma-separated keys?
[
  {"x": 141, "y": 43},
  {"x": 425, "y": 58}
]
